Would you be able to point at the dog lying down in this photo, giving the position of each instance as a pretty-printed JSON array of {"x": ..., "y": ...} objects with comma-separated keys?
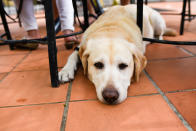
[{"x": 112, "y": 51}]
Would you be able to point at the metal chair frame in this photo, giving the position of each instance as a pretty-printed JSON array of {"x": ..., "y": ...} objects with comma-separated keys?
[
  {"x": 184, "y": 14},
  {"x": 50, "y": 40},
  {"x": 140, "y": 21}
]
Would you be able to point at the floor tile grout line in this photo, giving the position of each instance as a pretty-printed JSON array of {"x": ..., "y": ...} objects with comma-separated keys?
[
  {"x": 186, "y": 51},
  {"x": 83, "y": 100},
  {"x": 151, "y": 94},
  {"x": 15, "y": 106},
  {"x": 16, "y": 66},
  {"x": 42, "y": 69},
  {"x": 186, "y": 90},
  {"x": 185, "y": 123},
  {"x": 30, "y": 70},
  {"x": 15, "y": 54},
  {"x": 65, "y": 112},
  {"x": 127, "y": 97},
  {"x": 166, "y": 59}
]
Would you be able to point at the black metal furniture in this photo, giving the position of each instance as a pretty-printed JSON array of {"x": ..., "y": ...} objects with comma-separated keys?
[
  {"x": 184, "y": 15},
  {"x": 6, "y": 28},
  {"x": 140, "y": 21},
  {"x": 50, "y": 39},
  {"x": 52, "y": 50}
]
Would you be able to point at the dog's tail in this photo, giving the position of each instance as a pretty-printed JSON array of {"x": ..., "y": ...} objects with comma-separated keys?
[{"x": 170, "y": 32}]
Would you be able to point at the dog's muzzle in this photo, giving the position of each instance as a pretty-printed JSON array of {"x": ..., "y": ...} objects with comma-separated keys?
[{"x": 110, "y": 95}]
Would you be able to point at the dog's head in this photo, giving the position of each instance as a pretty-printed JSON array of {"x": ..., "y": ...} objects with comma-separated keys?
[{"x": 111, "y": 65}]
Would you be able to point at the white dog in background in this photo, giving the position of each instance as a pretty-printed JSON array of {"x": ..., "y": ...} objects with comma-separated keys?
[{"x": 112, "y": 51}]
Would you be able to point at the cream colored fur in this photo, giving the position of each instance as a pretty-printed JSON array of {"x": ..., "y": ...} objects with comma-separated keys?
[{"x": 112, "y": 40}]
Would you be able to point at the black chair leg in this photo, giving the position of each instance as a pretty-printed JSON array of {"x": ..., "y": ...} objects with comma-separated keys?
[
  {"x": 97, "y": 7},
  {"x": 52, "y": 50},
  {"x": 132, "y": 1},
  {"x": 146, "y": 2},
  {"x": 183, "y": 17},
  {"x": 140, "y": 14},
  {"x": 85, "y": 10},
  {"x": 5, "y": 25},
  {"x": 189, "y": 10}
]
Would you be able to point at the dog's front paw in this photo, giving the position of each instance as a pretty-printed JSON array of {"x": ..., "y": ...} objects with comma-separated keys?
[{"x": 66, "y": 75}]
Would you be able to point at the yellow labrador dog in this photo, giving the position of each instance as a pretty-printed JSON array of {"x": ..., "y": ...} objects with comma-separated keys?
[{"x": 112, "y": 51}]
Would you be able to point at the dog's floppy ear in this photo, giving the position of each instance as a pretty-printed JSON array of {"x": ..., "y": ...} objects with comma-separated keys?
[
  {"x": 84, "y": 54},
  {"x": 140, "y": 62}
]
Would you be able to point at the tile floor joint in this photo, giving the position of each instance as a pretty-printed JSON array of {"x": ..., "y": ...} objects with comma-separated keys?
[
  {"x": 83, "y": 100},
  {"x": 14, "y": 106},
  {"x": 185, "y": 50},
  {"x": 186, "y": 90},
  {"x": 151, "y": 94},
  {"x": 65, "y": 112},
  {"x": 185, "y": 123},
  {"x": 174, "y": 58},
  {"x": 16, "y": 66}
]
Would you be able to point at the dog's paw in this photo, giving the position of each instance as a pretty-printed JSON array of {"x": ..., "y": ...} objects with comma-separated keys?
[{"x": 67, "y": 74}]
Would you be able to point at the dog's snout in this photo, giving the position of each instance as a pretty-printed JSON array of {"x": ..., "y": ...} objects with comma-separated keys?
[{"x": 110, "y": 95}]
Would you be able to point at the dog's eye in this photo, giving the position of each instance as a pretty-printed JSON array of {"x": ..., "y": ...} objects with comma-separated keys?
[
  {"x": 99, "y": 65},
  {"x": 122, "y": 66}
]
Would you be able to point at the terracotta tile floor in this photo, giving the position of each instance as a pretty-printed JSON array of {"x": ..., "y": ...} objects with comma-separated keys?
[{"x": 163, "y": 99}]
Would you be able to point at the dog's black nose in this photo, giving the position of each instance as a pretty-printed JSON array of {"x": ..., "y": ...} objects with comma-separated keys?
[{"x": 110, "y": 95}]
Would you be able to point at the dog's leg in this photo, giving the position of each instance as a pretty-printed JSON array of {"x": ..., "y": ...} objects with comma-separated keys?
[
  {"x": 147, "y": 30},
  {"x": 158, "y": 24},
  {"x": 67, "y": 73}
]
